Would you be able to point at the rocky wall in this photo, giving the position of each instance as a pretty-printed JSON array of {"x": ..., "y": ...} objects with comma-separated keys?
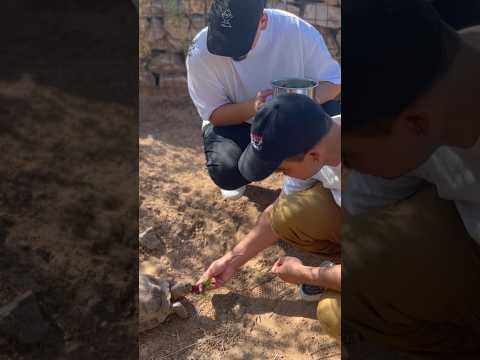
[{"x": 168, "y": 26}]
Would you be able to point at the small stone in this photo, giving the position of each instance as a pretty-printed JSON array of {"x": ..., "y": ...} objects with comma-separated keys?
[
  {"x": 165, "y": 63},
  {"x": 180, "y": 310},
  {"x": 22, "y": 320},
  {"x": 238, "y": 311},
  {"x": 149, "y": 239}
]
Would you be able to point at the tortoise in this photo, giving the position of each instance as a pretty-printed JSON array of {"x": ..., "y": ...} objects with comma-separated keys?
[{"x": 158, "y": 299}]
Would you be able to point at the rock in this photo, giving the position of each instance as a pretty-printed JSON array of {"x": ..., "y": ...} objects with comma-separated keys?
[
  {"x": 178, "y": 27},
  {"x": 198, "y": 7},
  {"x": 162, "y": 62},
  {"x": 238, "y": 311},
  {"x": 332, "y": 2},
  {"x": 173, "y": 86},
  {"x": 181, "y": 290},
  {"x": 330, "y": 40},
  {"x": 147, "y": 84},
  {"x": 23, "y": 320},
  {"x": 180, "y": 310},
  {"x": 323, "y": 15},
  {"x": 198, "y": 22},
  {"x": 156, "y": 31},
  {"x": 149, "y": 239}
]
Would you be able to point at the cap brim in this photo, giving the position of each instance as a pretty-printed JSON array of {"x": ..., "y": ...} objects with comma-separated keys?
[
  {"x": 254, "y": 168},
  {"x": 221, "y": 44}
]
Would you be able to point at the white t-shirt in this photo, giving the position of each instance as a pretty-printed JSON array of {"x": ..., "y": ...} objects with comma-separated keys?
[
  {"x": 454, "y": 171},
  {"x": 330, "y": 177},
  {"x": 288, "y": 47}
]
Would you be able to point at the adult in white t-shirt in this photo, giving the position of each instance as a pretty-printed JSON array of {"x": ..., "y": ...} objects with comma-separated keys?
[
  {"x": 411, "y": 132},
  {"x": 231, "y": 65},
  {"x": 293, "y": 135}
]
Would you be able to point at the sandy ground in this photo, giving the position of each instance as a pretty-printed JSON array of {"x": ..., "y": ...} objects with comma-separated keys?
[{"x": 257, "y": 316}]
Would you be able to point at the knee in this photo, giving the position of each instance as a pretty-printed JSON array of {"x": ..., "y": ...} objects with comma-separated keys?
[
  {"x": 329, "y": 313},
  {"x": 284, "y": 218},
  {"x": 226, "y": 175}
]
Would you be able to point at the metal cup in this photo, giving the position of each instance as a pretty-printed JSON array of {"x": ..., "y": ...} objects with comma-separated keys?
[{"x": 294, "y": 86}]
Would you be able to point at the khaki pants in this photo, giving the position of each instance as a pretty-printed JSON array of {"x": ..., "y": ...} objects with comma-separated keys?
[
  {"x": 411, "y": 277},
  {"x": 311, "y": 221}
]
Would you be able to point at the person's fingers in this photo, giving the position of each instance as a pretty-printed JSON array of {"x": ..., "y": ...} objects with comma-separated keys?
[
  {"x": 262, "y": 95},
  {"x": 266, "y": 93},
  {"x": 202, "y": 279},
  {"x": 208, "y": 274},
  {"x": 277, "y": 264},
  {"x": 218, "y": 282}
]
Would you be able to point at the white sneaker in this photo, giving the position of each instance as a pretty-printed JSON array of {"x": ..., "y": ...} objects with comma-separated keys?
[
  {"x": 233, "y": 194},
  {"x": 313, "y": 293}
]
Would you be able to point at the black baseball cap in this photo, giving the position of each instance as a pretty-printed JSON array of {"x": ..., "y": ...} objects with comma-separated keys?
[
  {"x": 232, "y": 26},
  {"x": 286, "y": 126}
]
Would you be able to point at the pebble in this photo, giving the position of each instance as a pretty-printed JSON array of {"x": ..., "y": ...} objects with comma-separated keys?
[
  {"x": 238, "y": 311},
  {"x": 149, "y": 239}
]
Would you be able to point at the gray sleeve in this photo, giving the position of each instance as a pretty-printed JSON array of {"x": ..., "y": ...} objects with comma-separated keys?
[{"x": 364, "y": 192}]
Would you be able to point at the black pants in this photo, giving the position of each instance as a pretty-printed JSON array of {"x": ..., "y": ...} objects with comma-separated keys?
[{"x": 224, "y": 145}]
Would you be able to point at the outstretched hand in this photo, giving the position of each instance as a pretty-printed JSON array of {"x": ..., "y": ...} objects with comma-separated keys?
[
  {"x": 217, "y": 274},
  {"x": 290, "y": 269}
]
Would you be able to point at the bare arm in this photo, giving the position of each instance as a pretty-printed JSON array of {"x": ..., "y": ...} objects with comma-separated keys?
[
  {"x": 259, "y": 238},
  {"x": 292, "y": 270},
  {"x": 235, "y": 114},
  {"x": 330, "y": 278},
  {"x": 326, "y": 91}
]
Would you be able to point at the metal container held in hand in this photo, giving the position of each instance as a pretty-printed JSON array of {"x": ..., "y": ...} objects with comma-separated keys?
[{"x": 294, "y": 86}]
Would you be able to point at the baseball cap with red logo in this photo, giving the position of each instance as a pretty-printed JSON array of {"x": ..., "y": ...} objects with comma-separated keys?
[{"x": 286, "y": 126}]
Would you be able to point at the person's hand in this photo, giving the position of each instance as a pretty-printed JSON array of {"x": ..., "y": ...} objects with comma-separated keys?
[
  {"x": 221, "y": 270},
  {"x": 261, "y": 99},
  {"x": 290, "y": 269}
]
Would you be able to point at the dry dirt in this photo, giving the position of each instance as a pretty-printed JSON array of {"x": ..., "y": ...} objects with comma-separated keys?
[{"x": 256, "y": 316}]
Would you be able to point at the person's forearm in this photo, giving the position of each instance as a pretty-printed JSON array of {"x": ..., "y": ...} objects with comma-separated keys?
[
  {"x": 258, "y": 239},
  {"x": 233, "y": 114},
  {"x": 326, "y": 91},
  {"x": 329, "y": 278}
]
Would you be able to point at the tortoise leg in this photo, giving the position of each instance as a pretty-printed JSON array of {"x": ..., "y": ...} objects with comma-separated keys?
[{"x": 180, "y": 310}]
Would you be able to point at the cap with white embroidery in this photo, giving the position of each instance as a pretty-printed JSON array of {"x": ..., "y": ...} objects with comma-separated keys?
[{"x": 232, "y": 26}]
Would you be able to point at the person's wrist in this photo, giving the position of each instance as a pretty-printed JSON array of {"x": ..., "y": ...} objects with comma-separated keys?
[
  {"x": 252, "y": 106},
  {"x": 311, "y": 275},
  {"x": 234, "y": 259}
]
